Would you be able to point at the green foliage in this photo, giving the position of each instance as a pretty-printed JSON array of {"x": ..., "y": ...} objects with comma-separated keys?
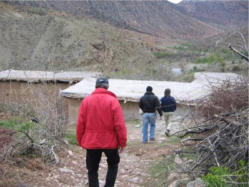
[
  {"x": 16, "y": 125},
  {"x": 223, "y": 177},
  {"x": 71, "y": 137},
  {"x": 217, "y": 177},
  {"x": 206, "y": 60},
  {"x": 161, "y": 169},
  {"x": 179, "y": 47},
  {"x": 39, "y": 11},
  {"x": 227, "y": 53},
  {"x": 161, "y": 54},
  {"x": 242, "y": 174},
  {"x": 170, "y": 140}
]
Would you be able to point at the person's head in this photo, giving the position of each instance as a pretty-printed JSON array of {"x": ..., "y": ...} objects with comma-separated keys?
[
  {"x": 167, "y": 92},
  {"x": 102, "y": 82},
  {"x": 149, "y": 89}
]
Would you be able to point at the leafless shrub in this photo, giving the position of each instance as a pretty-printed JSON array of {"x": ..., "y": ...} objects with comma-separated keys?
[
  {"x": 44, "y": 108},
  {"x": 230, "y": 96},
  {"x": 222, "y": 139}
]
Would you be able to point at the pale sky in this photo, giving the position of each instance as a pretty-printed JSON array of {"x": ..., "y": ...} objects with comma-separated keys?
[{"x": 175, "y": 1}]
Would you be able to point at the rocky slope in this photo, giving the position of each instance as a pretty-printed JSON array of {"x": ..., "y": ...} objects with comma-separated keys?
[
  {"x": 115, "y": 37},
  {"x": 56, "y": 41},
  {"x": 225, "y": 14},
  {"x": 157, "y": 18}
]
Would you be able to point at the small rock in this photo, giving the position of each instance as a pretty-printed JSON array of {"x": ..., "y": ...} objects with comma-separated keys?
[
  {"x": 197, "y": 182},
  {"x": 172, "y": 177},
  {"x": 135, "y": 180},
  {"x": 86, "y": 182},
  {"x": 75, "y": 163},
  {"x": 70, "y": 153},
  {"x": 122, "y": 171},
  {"x": 178, "y": 160},
  {"x": 173, "y": 184},
  {"x": 101, "y": 183},
  {"x": 66, "y": 170}
]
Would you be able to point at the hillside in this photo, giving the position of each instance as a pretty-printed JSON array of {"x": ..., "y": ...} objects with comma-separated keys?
[
  {"x": 225, "y": 14},
  {"x": 60, "y": 42},
  {"x": 122, "y": 39},
  {"x": 156, "y": 18}
]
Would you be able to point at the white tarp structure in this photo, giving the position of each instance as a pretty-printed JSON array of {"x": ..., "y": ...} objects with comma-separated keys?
[
  {"x": 43, "y": 76},
  {"x": 132, "y": 90}
]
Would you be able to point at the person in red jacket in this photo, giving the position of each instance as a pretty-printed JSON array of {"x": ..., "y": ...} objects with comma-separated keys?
[{"x": 101, "y": 128}]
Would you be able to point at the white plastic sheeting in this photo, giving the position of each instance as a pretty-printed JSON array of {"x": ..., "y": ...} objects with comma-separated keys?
[
  {"x": 132, "y": 90},
  {"x": 37, "y": 76}
]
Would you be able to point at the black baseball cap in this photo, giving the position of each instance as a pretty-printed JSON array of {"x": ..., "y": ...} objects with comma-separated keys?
[{"x": 102, "y": 82}]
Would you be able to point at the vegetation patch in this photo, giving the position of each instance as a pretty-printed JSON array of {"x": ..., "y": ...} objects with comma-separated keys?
[
  {"x": 161, "y": 54},
  {"x": 224, "y": 177},
  {"x": 170, "y": 140},
  {"x": 16, "y": 124},
  {"x": 71, "y": 137},
  {"x": 160, "y": 170}
]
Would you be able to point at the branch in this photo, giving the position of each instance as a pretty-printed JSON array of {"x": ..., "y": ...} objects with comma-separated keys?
[{"x": 239, "y": 53}]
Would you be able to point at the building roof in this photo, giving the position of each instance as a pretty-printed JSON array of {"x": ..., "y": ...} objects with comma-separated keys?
[
  {"x": 45, "y": 76},
  {"x": 132, "y": 90}
]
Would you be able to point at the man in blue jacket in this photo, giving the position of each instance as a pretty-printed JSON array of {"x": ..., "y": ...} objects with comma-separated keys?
[{"x": 168, "y": 106}]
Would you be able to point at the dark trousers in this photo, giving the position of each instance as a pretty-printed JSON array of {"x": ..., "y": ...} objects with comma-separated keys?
[{"x": 93, "y": 158}]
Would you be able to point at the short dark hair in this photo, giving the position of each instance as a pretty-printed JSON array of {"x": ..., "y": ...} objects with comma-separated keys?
[
  {"x": 167, "y": 92},
  {"x": 102, "y": 82},
  {"x": 149, "y": 89}
]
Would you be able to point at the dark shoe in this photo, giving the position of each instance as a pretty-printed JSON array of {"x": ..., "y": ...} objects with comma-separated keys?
[
  {"x": 152, "y": 139},
  {"x": 167, "y": 132},
  {"x": 145, "y": 142}
]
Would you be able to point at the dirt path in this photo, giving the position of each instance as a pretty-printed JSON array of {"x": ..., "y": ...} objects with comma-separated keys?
[{"x": 133, "y": 168}]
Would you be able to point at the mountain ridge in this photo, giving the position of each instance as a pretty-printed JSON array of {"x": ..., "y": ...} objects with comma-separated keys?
[{"x": 156, "y": 18}]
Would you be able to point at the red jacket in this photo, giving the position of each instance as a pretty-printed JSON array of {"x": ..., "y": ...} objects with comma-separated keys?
[{"x": 100, "y": 122}]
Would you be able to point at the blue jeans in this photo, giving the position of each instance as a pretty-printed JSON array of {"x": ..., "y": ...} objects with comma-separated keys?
[{"x": 149, "y": 119}]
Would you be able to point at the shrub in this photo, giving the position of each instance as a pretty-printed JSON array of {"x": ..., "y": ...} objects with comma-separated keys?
[
  {"x": 160, "y": 54},
  {"x": 71, "y": 137},
  {"x": 229, "y": 96},
  {"x": 217, "y": 176},
  {"x": 16, "y": 125},
  {"x": 223, "y": 177}
]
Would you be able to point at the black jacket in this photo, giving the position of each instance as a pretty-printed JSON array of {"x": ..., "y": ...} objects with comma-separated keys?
[{"x": 149, "y": 103}]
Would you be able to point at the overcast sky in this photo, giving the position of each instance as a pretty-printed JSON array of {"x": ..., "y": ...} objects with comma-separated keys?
[{"x": 175, "y": 1}]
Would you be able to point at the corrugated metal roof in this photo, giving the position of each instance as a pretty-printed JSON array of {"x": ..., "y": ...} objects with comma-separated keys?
[{"x": 132, "y": 90}]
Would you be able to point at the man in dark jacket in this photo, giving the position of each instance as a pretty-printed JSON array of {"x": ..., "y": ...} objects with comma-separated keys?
[
  {"x": 149, "y": 103},
  {"x": 101, "y": 128},
  {"x": 168, "y": 106}
]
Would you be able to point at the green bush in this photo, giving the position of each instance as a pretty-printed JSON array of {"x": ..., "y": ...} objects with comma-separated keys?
[
  {"x": 160, "y": 170},
  {"x": 160, "y": 54},
  {"x": 242, "y": 174},
  {"x": 71, "y": 137},
  {"x": 205, "y": 60},
  {"x": 16, "y": 125},
  {"x": 223, "y": 177},
  {"x": 217, "y": 176},
  {"x": 179, "y": 47}
]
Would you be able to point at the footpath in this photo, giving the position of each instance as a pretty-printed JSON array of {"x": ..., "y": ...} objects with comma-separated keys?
[{"x": 134, "y": 167}]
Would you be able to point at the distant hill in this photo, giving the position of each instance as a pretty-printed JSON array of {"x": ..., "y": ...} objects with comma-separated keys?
[
  {"x": 55, "y": 41},
  {"x": 125, "y": 39},
  {"x": 156, "y": 18},
  {"x": 225, "y": 14}
]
